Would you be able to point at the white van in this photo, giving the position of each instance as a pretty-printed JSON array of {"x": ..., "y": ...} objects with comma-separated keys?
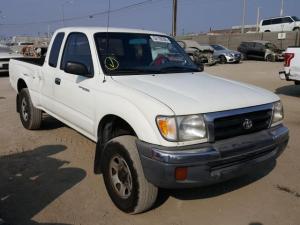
[{"x": 278, "y": 24}]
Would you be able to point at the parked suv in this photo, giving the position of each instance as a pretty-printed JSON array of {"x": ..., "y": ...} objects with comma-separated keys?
[
  {"x": 260, "y": 50},
  {"x": 287, "y": 23}
]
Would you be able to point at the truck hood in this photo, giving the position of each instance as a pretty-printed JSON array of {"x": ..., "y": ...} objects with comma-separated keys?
[{"x": 192, "y": 93}]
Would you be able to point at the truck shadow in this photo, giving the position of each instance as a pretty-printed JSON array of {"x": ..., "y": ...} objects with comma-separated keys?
[
  {"x": 289, "y": 90},
  {"x": 50, "y": 123},
  {"x": 31, "y": 180},
  {"x": 216, "y": 189}
]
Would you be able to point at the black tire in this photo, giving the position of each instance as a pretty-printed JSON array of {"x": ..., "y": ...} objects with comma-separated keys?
[
  {"x": 267, "y": 31},
  {"x": 223, "y": 59},
  {"x": 270, "y": 58},
  {"x": 30, "y": 116},
  {"x": 296, "y": 29},
  {"x": 297, "y": 82},
  {"x": 142, "y": 194}
]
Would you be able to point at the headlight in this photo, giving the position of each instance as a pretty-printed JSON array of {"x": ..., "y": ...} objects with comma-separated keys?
[
  {"x": 182, "y": 128},
  {"x": 277, "y": 113}
]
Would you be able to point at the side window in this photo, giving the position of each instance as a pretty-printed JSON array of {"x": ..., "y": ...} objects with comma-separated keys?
[
  {"x": 55, "y": 49},
  {"x": 277, "y": 21},
  {"x": 266, "y": 22},
  {"x": 77, "y": 49},
  {"x": 259, "y": 46},
  {"x": 287, "y": 20}
]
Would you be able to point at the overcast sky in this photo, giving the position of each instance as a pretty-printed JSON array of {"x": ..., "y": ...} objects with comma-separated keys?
[{"x": 193, "y": 15}]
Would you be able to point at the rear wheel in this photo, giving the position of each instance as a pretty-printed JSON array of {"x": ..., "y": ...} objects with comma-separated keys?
[
  {"x": 297, "y": 82},
  {"x": 296, "y": 29},
  {"x": 30, "y": 116},
  {"x": 124, "y": 177},
  {"x": 223, "y": 59}
]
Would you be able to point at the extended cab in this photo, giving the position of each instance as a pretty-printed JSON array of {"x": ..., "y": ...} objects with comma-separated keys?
[
  {"x": 158, "y": 122},
  {"x": 291, "y": 70}
]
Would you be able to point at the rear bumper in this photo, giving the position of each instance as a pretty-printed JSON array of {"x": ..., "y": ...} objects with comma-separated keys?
[
  {"x": 288, "y": 77},
  {"x": 211, "y": 162}
]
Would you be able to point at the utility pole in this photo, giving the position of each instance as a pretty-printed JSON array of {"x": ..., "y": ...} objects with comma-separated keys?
[
  {"x": 244, "y": 16},
  {"x": 174, "y": 20},
  {"x": 282, "y": 6},
  {"x": 63, "y": 10},
  {"x": 257, "y": 19}
]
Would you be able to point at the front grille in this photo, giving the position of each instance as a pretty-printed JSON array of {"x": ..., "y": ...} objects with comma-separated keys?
[
  {"x": 3, "y": 60},
  {"x": 4, "y": 66},
  {"x": 225, "y": 163},
  {"x": 232, "y": 126}
]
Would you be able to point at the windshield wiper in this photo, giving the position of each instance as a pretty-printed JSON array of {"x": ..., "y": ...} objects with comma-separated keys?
[
  {"x": 177, "y": 69},
  {"x": 133, "y": 71}
]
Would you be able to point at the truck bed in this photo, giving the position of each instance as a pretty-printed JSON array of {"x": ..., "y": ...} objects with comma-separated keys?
[{"x": 35, "y": 61}]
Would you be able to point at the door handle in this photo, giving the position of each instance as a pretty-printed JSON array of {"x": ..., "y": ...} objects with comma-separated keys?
[{"x": 57, "y": 81}]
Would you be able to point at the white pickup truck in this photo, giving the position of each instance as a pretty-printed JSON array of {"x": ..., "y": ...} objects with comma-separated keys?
[
  {"x": 157, "y": 120},
  {"x": 291, "y": 70}
]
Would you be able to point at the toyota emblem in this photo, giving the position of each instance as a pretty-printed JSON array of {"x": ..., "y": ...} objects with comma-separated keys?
[{"x": 247, "y": 124}]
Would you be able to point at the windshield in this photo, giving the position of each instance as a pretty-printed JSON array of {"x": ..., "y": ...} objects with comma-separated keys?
[
  {"x": 218, "y": 47},
  {"x": 129, "y": 53},
  {"x": 271, "y": 46},
  {"x": 295, "y": 18}
]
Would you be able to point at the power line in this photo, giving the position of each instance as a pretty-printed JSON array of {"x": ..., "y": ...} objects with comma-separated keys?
[{"x": 90, "y": 16}]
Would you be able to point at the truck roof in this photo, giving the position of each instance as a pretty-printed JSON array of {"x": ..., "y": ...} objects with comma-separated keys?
[{"x": 93, "y": 30}]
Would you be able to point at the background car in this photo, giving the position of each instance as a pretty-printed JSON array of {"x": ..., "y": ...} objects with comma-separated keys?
[
  {"x": 5, "y": 55},
  {"x": 226, "y": 55},
  {"x": 279, "y": 24},
  {"x": 260, "y": 50},
  {"x": 200, "y": 54}
]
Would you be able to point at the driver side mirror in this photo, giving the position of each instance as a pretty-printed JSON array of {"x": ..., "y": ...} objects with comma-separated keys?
[{"x": 77, "y": 69}]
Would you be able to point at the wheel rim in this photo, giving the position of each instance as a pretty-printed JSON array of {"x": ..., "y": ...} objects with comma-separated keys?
[
  {"x": 120, "y": 176},
  {"x": 24, "y": 109}
]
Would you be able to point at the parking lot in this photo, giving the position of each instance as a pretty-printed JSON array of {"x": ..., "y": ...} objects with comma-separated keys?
[{"x": 46, "y": 176}]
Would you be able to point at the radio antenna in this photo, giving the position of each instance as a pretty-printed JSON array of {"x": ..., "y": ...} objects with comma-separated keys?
[{"x": 107, "y": 40}]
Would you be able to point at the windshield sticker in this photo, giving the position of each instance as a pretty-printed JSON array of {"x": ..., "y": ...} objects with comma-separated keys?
[
  {"x": 160, "y": 39},
  {"x": 111, "y": 63}
]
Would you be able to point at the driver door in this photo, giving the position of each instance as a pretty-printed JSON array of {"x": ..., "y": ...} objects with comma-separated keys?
[{"x": 72, "y": 92}]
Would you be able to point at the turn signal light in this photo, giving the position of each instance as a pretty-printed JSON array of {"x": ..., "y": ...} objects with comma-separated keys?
[{"x": 181, "y": 173}]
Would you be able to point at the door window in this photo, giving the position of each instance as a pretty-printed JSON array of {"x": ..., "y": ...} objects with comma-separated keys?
[
  {"x": 287, "y": 20},
  {"x": 55, "y": 49},
  {"x": 77, "y": 50},
  {"x": 277, "y": 21}
]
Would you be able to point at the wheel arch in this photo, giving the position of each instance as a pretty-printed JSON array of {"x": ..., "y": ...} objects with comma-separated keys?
[
  {"x": 109, "y": 127},
  {"x": 21, "y": 84}
]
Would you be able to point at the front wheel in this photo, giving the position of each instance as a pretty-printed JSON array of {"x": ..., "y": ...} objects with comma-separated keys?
[
  {"x": 223, "y": 59},
  {"x": 30, "y": 116},
  {"x": 124, "y": 177},
  {"x": 270, "y": 58}
]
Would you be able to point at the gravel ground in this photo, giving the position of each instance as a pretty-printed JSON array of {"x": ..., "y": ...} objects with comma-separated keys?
[{"x": 46, "y": 176}]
